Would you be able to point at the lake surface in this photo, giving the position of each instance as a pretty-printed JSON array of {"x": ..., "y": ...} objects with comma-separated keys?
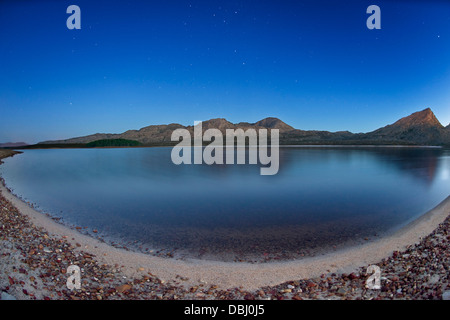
[{"x": 322, "y": 198}]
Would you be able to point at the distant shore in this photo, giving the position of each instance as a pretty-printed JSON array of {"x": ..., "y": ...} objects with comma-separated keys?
[
  {"x": 317, "y": 145},
  {"x": 250, "y": 278}
]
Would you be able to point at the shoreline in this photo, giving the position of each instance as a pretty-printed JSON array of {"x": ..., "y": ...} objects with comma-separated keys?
[
  {"x": 232, "y": 274},
  {"x": 228, "y": 275},
  {"x": 280, "y": 145}
]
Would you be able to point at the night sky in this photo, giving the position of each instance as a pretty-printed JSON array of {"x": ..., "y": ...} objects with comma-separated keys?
[{"x": 314, "y": 64}]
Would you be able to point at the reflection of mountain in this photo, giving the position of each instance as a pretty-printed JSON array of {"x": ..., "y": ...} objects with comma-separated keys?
[
  {"x": 419, "y": 163},
  {"x": 420, "y": 128}
]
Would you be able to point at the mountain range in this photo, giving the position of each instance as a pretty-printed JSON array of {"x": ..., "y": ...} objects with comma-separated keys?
[
  {"x": 420, "y": 128},
  {"x": 12, "y": 144}
]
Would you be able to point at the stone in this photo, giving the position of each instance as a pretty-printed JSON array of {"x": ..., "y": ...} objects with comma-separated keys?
[
  {"x": 341, "y": 291},
  {"x": 353, "y": 276},
  {"x": 446, "y": 295},
  {"x": 434, "y": 279},
  {"x": 7, "y": 296},
  {"x": 123, "y": 288}
]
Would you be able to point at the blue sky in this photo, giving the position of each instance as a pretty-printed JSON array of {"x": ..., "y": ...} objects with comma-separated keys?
[{"x": 313, "y": 64}]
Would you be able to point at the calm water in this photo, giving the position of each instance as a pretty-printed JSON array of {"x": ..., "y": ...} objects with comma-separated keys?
[{"x": 321, "y": 198}]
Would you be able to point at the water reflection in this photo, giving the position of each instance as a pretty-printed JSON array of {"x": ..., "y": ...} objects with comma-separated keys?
[{"x": 420, "y": 163}]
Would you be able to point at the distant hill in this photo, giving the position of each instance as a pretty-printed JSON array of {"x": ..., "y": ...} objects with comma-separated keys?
[
  {"x": 274, "y": 123},
  {"x": 158, "y": 134},
  {"x": 12, "y": 144},
  {"x": 147, "y": 135},
  {"x": 420, "y": 128}
]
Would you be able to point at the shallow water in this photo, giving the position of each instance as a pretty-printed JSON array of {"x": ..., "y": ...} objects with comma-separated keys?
[{"x": 321, "y": 199}]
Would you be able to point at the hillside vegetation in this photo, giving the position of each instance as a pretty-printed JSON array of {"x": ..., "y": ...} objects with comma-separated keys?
[{"x": 113, "y": 143}]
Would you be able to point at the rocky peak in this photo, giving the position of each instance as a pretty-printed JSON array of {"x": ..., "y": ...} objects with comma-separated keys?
[
  {"x": 421, "y": 118},
  {"x": 218, "y": 123},
  {"x": 274, "y": 123}
]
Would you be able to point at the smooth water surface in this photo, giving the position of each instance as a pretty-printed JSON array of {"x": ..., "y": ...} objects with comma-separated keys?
[{"x": 322, "y": 198}]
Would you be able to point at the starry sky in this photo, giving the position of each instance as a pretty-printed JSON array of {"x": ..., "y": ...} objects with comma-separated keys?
[{"x": 312, "y": 63}]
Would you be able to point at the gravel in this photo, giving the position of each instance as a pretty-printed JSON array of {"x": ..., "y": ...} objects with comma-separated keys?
[{"x": 33, "y": 265}]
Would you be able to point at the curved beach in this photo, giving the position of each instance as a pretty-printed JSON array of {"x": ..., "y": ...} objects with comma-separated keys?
[{"x": 226, "y": 275}]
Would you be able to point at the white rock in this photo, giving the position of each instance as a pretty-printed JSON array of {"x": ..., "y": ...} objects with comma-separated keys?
[
  {"x": 446, "y": 295},
  {"x": 434, "y": 279},
  {"x": 6, "y": 296}
]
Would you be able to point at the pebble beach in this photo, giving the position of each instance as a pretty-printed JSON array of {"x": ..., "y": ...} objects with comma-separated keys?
[{"x": 35, "y": 253}]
